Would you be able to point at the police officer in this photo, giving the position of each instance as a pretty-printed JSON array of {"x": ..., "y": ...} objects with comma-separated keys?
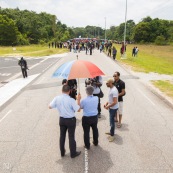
[{"x": 66, "y": 107}]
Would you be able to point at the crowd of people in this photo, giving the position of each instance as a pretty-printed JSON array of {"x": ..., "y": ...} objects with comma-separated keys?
[{"x": 67, "y": 106}]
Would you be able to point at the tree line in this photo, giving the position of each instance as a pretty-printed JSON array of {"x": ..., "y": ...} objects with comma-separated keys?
[{"x": 23, "y": 27}]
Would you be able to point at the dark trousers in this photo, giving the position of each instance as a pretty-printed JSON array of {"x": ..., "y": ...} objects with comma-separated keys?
[
  {"x": 70, "y": 125},
  {"x": 24, "y": 73},
  {"x": 88, "y": 122},
  {"x": 99, "y": 106},
  {"x": 112, "y": 113}
]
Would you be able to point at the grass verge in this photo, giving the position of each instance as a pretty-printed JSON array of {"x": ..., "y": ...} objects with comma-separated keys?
[
  {"x": 32, "y": 51},
  {"x": 164, "y": 86},
  {"x": 151, "y": 58}
]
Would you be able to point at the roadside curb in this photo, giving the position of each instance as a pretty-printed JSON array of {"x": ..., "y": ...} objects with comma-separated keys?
[{"x": 159, "y": 94}]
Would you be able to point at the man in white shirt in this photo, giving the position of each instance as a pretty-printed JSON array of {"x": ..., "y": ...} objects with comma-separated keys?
[
  {"x": 112, "y": 106},
  {"x": 66, "y": 107}
]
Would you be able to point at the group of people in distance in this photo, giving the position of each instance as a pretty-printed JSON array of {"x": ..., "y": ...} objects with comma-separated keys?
[
  {"x": 135, "y": 51},
  {"x": 67, "y": 106}
]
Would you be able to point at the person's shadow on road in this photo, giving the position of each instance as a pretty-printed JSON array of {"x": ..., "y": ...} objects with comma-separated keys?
[{"x": 95, "y": 160}]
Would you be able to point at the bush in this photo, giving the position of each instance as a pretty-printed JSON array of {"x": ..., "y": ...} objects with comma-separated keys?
[
  {"x": 42, "y": 42},
  {"x": 160, "y": 40}
]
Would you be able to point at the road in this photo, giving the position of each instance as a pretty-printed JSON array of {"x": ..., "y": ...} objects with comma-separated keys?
[{"x": 29, "y": 138}]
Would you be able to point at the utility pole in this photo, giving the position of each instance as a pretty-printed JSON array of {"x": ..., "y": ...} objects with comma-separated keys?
[
  {"x": 105, "y": 29},
  {"x": 124, "y": 54},
  {"x": 98, "y": 31}
]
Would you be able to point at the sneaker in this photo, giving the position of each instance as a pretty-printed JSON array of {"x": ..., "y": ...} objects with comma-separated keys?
[{"x": 111, "y": 138}]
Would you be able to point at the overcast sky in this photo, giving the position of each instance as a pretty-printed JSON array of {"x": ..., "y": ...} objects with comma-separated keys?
[{"x": 80, "y": 13}]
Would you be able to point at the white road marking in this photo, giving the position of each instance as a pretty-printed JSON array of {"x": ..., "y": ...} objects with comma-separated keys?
[
  {"x": 5, "y": 74},
  {"x": 5, "y": 115},
  {"x": 12, "y": 88},
  {"x": 146, "y": 97},
  {"x": 8, "y": 67},
  {"x": 47, "y": 67}
]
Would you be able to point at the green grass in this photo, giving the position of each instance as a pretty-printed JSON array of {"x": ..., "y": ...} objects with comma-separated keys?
[
  {"x": 151, "y": 58},
  {"x": 32, "y": 50},
  {"x": 164, "y": 86}
]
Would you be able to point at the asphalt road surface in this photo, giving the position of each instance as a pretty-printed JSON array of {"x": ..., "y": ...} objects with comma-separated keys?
[{"x": 29, "y": 131}]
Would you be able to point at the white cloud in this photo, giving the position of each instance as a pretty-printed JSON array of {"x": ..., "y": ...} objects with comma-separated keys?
[{"x": 93, "y": 12}]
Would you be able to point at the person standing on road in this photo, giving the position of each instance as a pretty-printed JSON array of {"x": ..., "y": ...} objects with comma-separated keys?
[
  {"x": 23, "y": 64},
  {"x": 90, "y": 119},
  {"x": 96, "y": 82},
  {"x": 120, "y": 85},
  {"x": 112, "y": 106},
  {"x": 114, "y": 52},
  {"x": 66, "y": 107}
]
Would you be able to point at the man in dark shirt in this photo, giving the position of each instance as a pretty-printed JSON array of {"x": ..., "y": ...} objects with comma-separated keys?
[
  {"x": 72, "y": 83},
  {"x": 120, "y": 85},
  {"x": 23, "y": 64}
]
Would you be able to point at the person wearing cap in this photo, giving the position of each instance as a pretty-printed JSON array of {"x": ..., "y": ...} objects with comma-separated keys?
[
  {"x": 90, "y": 119},
  {"x": 66, "y": 107},
  {"x": 112, "y": 106}
]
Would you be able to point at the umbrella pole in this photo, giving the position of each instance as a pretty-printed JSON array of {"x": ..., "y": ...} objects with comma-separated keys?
[
  {"x": 78, "y": 79},
  {"x": 78, "y": 85}
]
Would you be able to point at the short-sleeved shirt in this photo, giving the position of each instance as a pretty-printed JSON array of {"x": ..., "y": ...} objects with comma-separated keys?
[
  {"x": 96, "y": 88},
  {"x": 89, "y": 106},
  {"x": 65, "y": 105},
  {"x": 113, "y": 93},
  {"x": 120, "y": 85}
]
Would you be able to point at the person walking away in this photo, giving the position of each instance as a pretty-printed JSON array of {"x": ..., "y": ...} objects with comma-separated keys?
[
  {"x": 90, "y": 119},
  {"x": 66, "y": 107},
  {"x": 23, "y": 64},
  {"x": 112, "y": 106},
  {"x": 120, "y": 85},
  {"x": 114, "y": 51}
]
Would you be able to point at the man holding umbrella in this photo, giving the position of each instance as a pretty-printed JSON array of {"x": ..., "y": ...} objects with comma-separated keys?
[{"x": 66, "y": 107}]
